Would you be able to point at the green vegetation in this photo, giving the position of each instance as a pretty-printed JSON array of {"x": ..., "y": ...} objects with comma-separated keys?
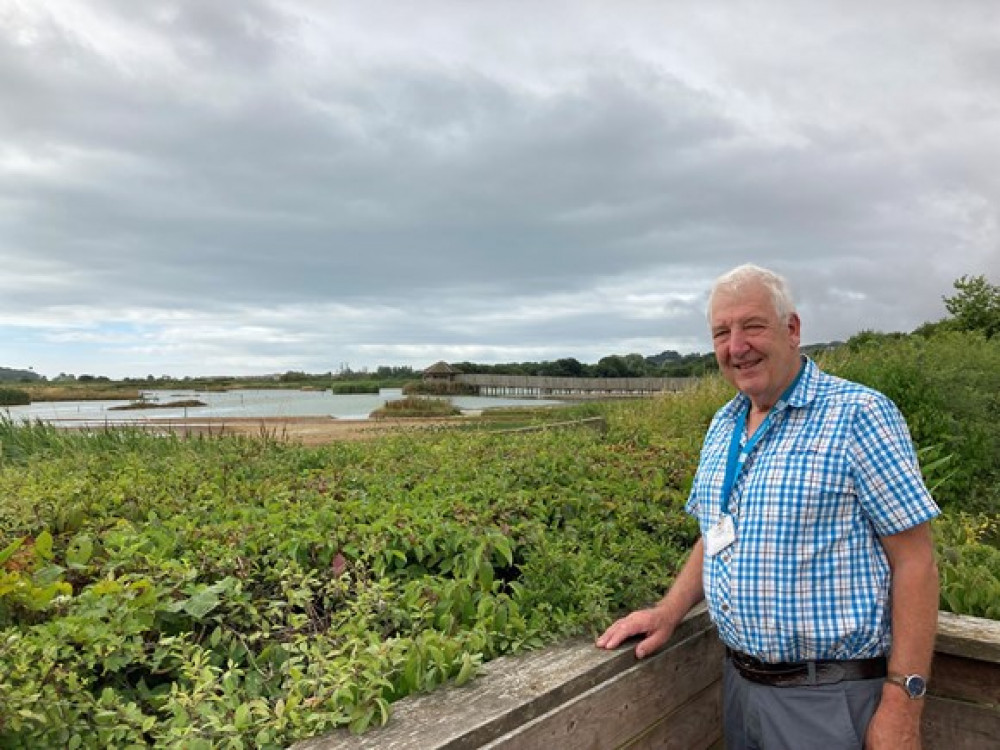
[
  {"x": 14, "y": 397},
  {"x": 189, "y": 592},
  {"x": 417, "y": 406},
  {"x": 439, "y": 388},
  {"x": 975, "y": 306},
  {"x": 948, "y": 386},
  {"x": 96, "y": 391},
  {"x": 361, "y": 386}
]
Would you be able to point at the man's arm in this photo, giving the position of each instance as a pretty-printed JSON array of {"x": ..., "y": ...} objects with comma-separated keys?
[
  {"x": 914, "y": 603},
  {"x": 658, "y": 623}
]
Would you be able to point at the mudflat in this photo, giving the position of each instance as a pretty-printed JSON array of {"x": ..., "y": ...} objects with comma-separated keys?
[{"x": 305, "y": 430}]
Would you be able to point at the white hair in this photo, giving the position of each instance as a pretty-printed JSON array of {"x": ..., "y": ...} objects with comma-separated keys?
[{"x": 748, "y": 275}]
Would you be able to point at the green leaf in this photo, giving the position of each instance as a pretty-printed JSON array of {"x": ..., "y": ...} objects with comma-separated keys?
[
  {"x": 241, "y": 717},
  {"x": 384, "y": 712},
  {"x": 412, "y": 672},
  {"x": 80, "y": 550},
  {"x": 485, "y": 574},
  {"x": 201, "y": 603},
  {"x": 502, "y": 545},
  {"x": 10, "y": 549},
  {"x": 362, "y": 719},
  {"x": 467, "y": 671},
  {"x": 43, "y": 545},
  {"x": 48, "y": 575}
]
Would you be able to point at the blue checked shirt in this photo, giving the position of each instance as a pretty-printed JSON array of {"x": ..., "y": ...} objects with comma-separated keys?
[{"x": 806, "y": 577}]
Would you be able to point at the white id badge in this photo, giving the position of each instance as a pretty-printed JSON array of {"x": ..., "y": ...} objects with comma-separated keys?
[{"x": 720, "y": 536}]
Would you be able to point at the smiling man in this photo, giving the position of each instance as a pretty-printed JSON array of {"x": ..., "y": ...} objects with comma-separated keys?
[{"x": 815, "y": 557}]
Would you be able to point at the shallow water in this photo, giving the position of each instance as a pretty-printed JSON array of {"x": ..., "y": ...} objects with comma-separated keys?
[{"x": 239, "y": 403}]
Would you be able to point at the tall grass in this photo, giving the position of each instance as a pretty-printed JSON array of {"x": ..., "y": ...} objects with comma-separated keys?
[
  {"x": 20, "y": 441},
  {"x": 679, "y": 418}
]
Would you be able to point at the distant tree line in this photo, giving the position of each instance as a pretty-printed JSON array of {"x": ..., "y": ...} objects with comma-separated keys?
[
  {"x": 664, "y": 365},
  {"x": 8, "y": 374}
]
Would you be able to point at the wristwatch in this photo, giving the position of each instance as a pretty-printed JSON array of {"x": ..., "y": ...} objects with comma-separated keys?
[{"x": 914, "y": 685}]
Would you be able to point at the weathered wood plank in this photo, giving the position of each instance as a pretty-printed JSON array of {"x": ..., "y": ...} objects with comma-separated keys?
[
  {"x": 956, "y": 725},
  {"x": 615, "y": 712},
  {"x": 965, "y": 679},
  {"x": 696, "y": 725},
  {"x": 972, "y": 637}
]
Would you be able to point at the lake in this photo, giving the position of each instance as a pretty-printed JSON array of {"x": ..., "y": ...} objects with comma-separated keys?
[{"x": 239, "y": 403}]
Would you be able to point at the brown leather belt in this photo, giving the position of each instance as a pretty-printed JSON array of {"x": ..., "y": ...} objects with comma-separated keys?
[{"x": 795, "y": 674}]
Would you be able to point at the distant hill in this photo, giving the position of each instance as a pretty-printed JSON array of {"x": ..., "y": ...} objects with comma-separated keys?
[
  {"x": 671, "y": 357},
  {"x": 814, "y": 349},
  {"x": 668, "y": 356},
  {"x": 9, "y": 374}
]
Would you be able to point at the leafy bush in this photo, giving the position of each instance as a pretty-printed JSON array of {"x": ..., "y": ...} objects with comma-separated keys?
[
  {"x": 969, "y": 564},
  {"x": 439, "y": 388},
  {"x": 948, "y": 387},
  {"x": 235, "y": 592},
  {"x": 417, "y": 406},
  {"x": 14, "y": 397}
]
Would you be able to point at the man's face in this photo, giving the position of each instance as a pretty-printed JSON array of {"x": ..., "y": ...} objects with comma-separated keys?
[{"x": 757, "y": 352}]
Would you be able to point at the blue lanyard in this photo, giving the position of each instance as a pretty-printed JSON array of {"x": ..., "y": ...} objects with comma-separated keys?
[{"x": 737, "y": 455}]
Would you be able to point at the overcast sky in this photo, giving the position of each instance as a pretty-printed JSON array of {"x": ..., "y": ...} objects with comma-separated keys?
[{"x": 256, "y": 186}]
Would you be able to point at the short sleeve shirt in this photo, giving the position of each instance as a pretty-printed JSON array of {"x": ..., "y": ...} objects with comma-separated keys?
[{"x": 806, "y": 577}]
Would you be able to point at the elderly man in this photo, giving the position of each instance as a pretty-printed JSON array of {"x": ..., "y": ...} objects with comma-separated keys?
[{"x": 815, "y": 554}]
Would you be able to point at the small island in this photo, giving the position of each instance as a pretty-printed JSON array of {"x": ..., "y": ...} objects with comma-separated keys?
[{"x": 142, "y": 404}]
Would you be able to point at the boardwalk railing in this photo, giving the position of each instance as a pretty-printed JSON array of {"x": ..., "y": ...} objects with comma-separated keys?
[
  {"x": 539, "y": 386},
  {"x": 573, "y": 695}
]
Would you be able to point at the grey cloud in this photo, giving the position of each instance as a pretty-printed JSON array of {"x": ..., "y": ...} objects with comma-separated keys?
[{"x": 234, "y": 161}]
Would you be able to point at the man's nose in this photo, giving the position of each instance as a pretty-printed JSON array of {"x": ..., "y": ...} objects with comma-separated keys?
[{"x": 737, "y": 342}]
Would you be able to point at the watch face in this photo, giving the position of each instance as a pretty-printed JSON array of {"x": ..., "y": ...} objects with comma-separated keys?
[{"x": 916, "y": 686}]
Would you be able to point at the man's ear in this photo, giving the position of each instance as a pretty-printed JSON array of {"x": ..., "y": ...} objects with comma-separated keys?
[{"x": 795, "y": 329}]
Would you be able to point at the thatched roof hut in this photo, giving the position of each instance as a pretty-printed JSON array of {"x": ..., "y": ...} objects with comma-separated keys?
[{"x": 440, "y": 371}]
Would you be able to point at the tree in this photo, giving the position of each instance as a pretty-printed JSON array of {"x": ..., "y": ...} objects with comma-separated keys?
[
  {"x": 975, "y": 306},
  {"x": 612, "y": 366},
  {"x": 568, "y": 367},
  {"x": 616, "y": 366}
]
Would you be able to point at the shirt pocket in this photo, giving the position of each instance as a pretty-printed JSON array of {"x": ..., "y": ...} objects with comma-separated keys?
[{"x": 806, "y": 482}]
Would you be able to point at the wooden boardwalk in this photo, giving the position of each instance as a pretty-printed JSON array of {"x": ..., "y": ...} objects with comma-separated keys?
[{"x": 537, "y": 386}]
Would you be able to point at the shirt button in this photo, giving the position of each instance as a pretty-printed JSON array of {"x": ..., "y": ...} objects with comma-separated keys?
[
  {"x": 725, "y": 557},
  {"x": 724, "y": 607}
]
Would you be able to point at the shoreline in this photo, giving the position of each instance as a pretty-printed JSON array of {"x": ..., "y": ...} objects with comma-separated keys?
[{"x": 305, "y": 430}]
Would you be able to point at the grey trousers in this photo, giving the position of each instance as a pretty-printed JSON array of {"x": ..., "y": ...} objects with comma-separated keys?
[{"x": 825, "y": 717}]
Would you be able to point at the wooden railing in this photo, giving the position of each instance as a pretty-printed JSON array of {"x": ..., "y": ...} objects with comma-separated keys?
[
  {"x": 570, "y": 695},
  {"x": 573, "y": 695},
  {"x": 963, "y": 705}
]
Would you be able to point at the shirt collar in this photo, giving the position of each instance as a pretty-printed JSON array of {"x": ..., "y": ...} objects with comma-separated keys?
[{"x": 805, "y": 391}]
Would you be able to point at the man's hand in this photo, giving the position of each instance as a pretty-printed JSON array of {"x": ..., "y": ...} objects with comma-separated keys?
[
  {"x": 654, "y": 623},
  {"x": 896, "y": 723},
  {"x": 658, "y": 623}
]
